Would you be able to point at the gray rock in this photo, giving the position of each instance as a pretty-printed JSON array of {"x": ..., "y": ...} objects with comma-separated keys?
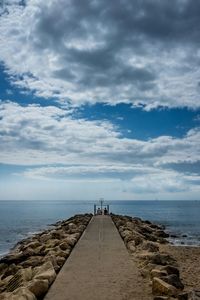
[
  {"x": 171, "y": 270},
  {"x": 158, "y": 273},
  {"x": 174, "y": 280},
  {"x": 46, "y": 271},
  {"x": 161, "y": 233},
  {"x": 150, "y": 246},
  {"x": 38, "y": 287},
  {"x": 32, "y": 261},
  {"x": 11, "y": 270},
  {"x": 160, "y": 287},
  {"x": 162, "y": 259},
  {"x": 183, "y": 296}
]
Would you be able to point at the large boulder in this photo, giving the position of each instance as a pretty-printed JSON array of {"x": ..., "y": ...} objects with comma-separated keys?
[
  {"x": 130, "y": 225},
  {"x": 52, "y": 258},
  {"x": 150, "y": 246},
  {"x": 52, "y": 243},
  {"x": 158, "y": 273},
  {"x": 38, "y": 287},
  {"x": 11, "y": 270},
  {"x": 18, "y": 280},
  {"x": 13, "y": 258},
  {"x": 145, "y": 229},
  {"x": 72, "y": 228},
  {"x": 119, "y": 222},
  {"x": 65, "y": 245},
  {"x": 158, "y": 258},
  {"x": 171, "y": 270},
  {"x": 46, "y": 271},
  {"x": 174, "y": 280},
  {"x": 48, "y": 250},
  {"x": 125, "y": 232},
  {"x": 33, "y": 245},
  {"x": 161, "y": 233},
  {"x": 131, "y": 246},
  {"x": 160, "y": 287},
  {"x": 190, "y": 295},
  {"x": 59, "y": 252},
  {"x": 45, "y": 237},
  {"x": 32, "y": 261},
  {"x": 58, "y": 234},
  {"x": 60, "y": 261},
  {"x": 3, "y": 266},
  {"x": 130, "y": 235},
  {"x": 26, "y": 273},
  {"x": 40, "y": 250},
  {"x": 28, "y": 252},
  {"x": 4, "y": 283},
  {"x": 81, "y": 228},
  {"x": 71, "y": 240}
]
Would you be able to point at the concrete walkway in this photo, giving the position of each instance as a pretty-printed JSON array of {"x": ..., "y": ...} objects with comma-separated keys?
[{"x": 99, "y": 268}]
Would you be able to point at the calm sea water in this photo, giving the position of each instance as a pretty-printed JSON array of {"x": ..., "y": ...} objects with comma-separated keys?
[{"x": 19, "y": 219}]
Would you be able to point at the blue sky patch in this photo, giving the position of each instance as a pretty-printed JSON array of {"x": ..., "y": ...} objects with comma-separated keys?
[{"x": 140, "y": 124}]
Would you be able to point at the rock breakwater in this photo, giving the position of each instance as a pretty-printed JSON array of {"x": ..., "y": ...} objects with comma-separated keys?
[
  {"x": 31, "y": 267},
  {"x": 143, "y": 240}
]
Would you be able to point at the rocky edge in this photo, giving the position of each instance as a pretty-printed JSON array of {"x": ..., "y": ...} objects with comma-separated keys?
[
  {"x": 142, "y": 239},
  {"x": 29, "y": 270}
]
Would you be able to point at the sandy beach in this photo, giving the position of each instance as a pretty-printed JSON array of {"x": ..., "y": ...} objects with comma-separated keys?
[{"x": 188, "y": 259}]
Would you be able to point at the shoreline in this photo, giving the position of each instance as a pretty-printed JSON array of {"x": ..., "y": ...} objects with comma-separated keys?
[
  {"x": 26, "y": 237},
  {"x": 46, "y": 252},
  {"x": 174, "y": 241},
  {"x": 49, "y": 227}
]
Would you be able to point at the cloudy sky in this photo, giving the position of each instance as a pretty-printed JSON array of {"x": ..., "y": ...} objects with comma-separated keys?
[{"x": 99, "y": 99}]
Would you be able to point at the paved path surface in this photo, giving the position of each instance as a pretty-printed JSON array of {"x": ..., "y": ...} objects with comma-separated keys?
[{"x": 99, "y": 268}]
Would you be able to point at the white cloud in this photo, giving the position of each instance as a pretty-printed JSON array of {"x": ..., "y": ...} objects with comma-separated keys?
[
  {"x": 88, "y": 51},
  {"x": 161, "y": 181},
  {"x": 71, "y": 149},
  {"x": 88, "y": 172}
]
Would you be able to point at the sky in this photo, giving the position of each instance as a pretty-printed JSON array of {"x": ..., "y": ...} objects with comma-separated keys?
[{"x": 99, "y": 99}]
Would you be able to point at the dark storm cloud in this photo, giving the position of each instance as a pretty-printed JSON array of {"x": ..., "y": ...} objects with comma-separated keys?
[
  {"x": 117, "y": 76},
  {"x": 161, "y": 20},
  {"x": 145, "y": 52},
  {"x": 121, "y": 26},
  {"x": 122, "y": 21}
]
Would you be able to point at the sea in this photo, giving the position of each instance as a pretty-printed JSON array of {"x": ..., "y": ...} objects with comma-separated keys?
[{"x": 21, "y": 219}]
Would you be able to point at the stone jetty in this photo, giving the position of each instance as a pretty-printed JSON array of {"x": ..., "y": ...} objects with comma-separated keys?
[
  {"x": 31, "y": 267},
  {"x": 93, "y": 257},
  {"x": 99, "y": 268}
]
